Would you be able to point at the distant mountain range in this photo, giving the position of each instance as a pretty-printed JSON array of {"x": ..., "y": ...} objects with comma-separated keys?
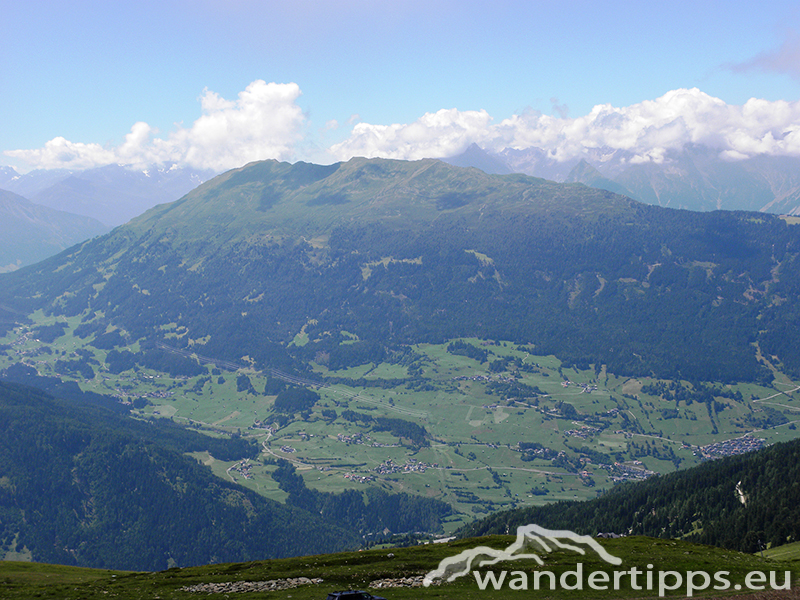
[
  {"x": 46, "y": 211},
  {"x": 31, "y": 232},
  {"x": 112, "y": 194},
  {"x": 695, "y": 178}
]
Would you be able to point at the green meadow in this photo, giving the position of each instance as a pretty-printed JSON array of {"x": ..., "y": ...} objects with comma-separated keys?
[{"x": 597, "y": 428}]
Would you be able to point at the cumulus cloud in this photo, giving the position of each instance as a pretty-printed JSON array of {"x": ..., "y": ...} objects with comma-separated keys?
[
  {"x": 263, "y": 122},
  {"x": 647, "y": 130},
  {"x": 61, "y": 153},
  {"x": 443, "y": 133}
]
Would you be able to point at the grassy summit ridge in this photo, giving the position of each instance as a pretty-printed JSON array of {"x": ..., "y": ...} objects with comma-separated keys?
[{"x": 311, "y": 200}]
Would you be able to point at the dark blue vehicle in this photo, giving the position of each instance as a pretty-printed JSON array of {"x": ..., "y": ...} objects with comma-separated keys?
[{"x": 353, "y": 595}]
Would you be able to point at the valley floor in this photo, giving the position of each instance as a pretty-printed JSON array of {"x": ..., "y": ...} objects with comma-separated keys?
[{"x": 510, "y": 430}]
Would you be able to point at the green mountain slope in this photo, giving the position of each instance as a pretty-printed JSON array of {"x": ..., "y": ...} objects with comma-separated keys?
[
  {"x": 401, "y": 252},
  {"x": 275, "y": 199},
  {"x": 82, "y": 486},
  {"x": 738, "y": 502}
]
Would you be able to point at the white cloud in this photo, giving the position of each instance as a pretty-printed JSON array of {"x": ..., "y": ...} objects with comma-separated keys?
[
  {"x": 263, "y": 122},
  {"x": 442, "y": 133},
  {"x": 61, "y": 153},
  {"x": 648, "y": 130}
]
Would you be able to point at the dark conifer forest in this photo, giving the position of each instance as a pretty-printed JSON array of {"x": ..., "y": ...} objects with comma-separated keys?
[{"x": 84, "y": 486}]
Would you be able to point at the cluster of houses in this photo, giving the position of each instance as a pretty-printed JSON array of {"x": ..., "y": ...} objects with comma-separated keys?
[
  {"x": 412, "y": 466},
  {"x": 729, "y": 447},
  {"x": 353, "y": 438},
  {"x": 635, "y": 471},
  {"x": 584, "y": 432},
  {"x": 479, "y": 377},
  {"x": 158, "y": 394},
  {"x": 125, "y": 398},
  {"x": 389, "y": 467},
  {"x": 262, "y": 425},
  {"x": 23, "y": 338},
  {"x": 242, "y": 467},
  {"x": 361, "y": 438},
  {"x": 358, "y": 478},
  {"x": 585, "y": 387}
]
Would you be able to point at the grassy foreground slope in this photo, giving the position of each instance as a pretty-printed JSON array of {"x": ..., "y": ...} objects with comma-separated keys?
[
  {"x": 786, "y": 552},
  {"x": 362, "y": 570}
]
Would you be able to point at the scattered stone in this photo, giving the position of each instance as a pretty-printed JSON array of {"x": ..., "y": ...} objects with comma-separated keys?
[
  {"x": 232, "y": 587},
  {"x": 395, "y": 582}
]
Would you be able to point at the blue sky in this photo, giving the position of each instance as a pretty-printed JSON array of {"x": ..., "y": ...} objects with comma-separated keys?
[{"x": 359, "y": 77}]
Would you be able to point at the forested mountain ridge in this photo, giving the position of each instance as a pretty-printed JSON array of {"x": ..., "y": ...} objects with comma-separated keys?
[
  {"x": 738, "y": 502},
  {"x": 80, "y": 485},
  {"x": 401, "y": 252}
]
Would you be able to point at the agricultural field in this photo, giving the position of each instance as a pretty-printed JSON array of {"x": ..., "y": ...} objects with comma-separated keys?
[{"x": 503, "y": 427}]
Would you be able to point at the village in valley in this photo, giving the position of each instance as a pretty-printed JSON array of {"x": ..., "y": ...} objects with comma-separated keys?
[{"x": 513, "y": 429}]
